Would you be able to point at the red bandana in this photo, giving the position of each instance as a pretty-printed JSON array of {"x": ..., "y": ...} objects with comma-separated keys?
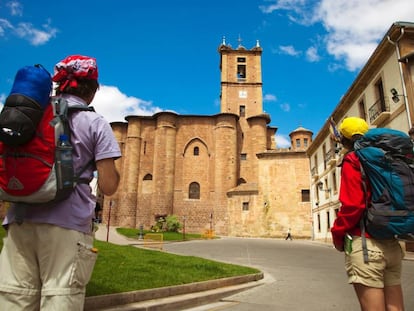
[{"x": 75, "y": 67}]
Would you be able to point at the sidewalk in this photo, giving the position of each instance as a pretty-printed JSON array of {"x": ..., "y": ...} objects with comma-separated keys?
[
  {"x": 167, "y": 298},
  {"x": 112, "y": 236}
]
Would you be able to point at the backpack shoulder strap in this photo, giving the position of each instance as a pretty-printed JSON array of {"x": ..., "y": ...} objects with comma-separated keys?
[
  {"x": 81, "y": 108},
  {"x": 77, "y": 175},
  {"x": 361, "y": 221},
  {"x": 62, "y": 111}
]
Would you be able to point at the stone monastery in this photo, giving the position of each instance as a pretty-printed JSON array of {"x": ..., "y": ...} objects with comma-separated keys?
[{"x": 222, "y": 173}]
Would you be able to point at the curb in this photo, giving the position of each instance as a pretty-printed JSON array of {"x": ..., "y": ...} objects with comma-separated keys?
[{"x": 182, "y": 295}]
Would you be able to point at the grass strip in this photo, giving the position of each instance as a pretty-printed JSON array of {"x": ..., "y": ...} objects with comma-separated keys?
[{"x": 167, "y": 236}]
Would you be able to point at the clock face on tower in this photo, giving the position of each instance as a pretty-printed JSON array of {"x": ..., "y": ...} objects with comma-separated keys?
[{"x": 242, "y": 94}]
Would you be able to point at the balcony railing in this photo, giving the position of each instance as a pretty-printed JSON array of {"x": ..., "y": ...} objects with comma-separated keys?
[
  {"x": 379, "y": 112},
  {"x": 314, "y": 172},
  {"x": 330, "y": 157}
]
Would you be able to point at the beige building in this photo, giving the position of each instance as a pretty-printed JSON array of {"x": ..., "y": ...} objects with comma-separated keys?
[
  {"x": 382, "y": 94},
  {"x": 222, "y": 172}
]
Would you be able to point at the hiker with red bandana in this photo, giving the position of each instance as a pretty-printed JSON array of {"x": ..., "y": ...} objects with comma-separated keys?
[{"x": 47, "y": 260}]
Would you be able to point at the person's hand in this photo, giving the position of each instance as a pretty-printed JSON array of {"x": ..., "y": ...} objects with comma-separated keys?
[{"x": 339, "y": 246}]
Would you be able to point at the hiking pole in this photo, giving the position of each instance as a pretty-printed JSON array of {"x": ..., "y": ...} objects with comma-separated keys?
[{"x": 109, "y": 220}]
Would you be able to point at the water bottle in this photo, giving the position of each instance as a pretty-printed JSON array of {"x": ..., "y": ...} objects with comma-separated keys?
[{"x": 64, "y": 172}]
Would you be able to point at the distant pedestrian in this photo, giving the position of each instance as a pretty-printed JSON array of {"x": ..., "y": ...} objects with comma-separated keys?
[{"x": 288, "y": 235}]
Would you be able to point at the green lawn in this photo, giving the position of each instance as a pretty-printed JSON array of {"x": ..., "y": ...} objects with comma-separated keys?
[{"x": 127, "y": 268}]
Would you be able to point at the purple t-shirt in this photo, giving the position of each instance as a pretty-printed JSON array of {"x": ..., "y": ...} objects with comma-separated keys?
[{"x": 91, "y": 138}]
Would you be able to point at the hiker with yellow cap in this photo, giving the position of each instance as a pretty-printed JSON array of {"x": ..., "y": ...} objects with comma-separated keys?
[
  {"x": 353, "y": 126},
  {"x": 377, "y": 283}
]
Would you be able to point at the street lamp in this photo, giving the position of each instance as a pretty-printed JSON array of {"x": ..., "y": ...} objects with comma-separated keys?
[
  {"x": 395, "y": 95},
  {"x": 141, "y": 232},
  {"x": 184, "y": 217},
  {"x": 320, "y": 187}
]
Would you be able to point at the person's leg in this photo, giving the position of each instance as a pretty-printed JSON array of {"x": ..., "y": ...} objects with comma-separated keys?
[
  {"x": 19, "y": 274},
  {"x": 367, "y": 277},
  {"x": 66, "y": 265},
  {"x": 370, "y": 298},
  {"x": 394, "y": 298}
]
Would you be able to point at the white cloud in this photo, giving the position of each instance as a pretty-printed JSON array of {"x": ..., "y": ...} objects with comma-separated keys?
[
  {"x": 285, "y": 107},
  {"x": 16, "y": 9},
  {"x": 299, "y": 11},
  {"x": 269, "y": 98},
  {"x": 312, "y": 54},
  {"x": 26, "y": 30},
  {"x": 289, "y": 49},
  {"x": 4, "y": 26},
  {"x": 283, "y": 5},
  {"x": 35, "y": 35},
  {"x": 353, "y": 27},
  {"x": 282, "y": 141},
  {"x": 110, "y": 102}
]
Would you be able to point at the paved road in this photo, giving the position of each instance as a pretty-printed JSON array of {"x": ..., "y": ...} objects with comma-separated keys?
[{"x": 299, "y": 275}]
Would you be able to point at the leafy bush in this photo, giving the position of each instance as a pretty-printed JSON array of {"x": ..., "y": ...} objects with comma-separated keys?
[
  {"x": 173, "y": 225},
  {"x": 159, "y": 225}
]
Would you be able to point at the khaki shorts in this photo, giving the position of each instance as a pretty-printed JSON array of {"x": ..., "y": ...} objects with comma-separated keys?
[
  {"x": 45, "y": 267},
  {"x": 383, "y": 267}
]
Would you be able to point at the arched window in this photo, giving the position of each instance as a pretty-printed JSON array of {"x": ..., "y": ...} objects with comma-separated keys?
[
  {"x": 196, "y": 151},
  {"x": 194, "y": 191},
  {"x": 148, "y": 177}
]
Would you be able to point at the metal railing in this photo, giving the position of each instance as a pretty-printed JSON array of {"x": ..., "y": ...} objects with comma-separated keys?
[
  {"x": 330, "y": 156},
  {"x": 314, "y": 171},
  {"x": 377, "y": 108}
]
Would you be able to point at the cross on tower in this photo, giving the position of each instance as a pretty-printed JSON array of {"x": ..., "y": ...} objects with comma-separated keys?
[{"x": 239, "y": 40}]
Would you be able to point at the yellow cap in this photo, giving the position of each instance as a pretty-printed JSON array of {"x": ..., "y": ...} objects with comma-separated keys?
[{"x": 352, "y": 126}]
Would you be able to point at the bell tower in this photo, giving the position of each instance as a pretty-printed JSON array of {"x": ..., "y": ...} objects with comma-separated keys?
[
  {"x": 241, "y": 80},
  {"x": 241, "y": 94}
]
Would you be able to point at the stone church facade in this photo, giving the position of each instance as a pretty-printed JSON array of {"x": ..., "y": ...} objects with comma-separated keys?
[{"x": 222, "y": 172}]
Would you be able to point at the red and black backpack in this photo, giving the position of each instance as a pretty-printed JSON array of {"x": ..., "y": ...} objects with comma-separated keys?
[{"x": 35, "y": 152}]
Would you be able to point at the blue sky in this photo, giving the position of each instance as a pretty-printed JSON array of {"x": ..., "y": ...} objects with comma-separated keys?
[{"x": 156, "y": 55}]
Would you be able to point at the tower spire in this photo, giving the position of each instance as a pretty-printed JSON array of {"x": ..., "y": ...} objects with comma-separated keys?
[{"x": 240, "y": 40}]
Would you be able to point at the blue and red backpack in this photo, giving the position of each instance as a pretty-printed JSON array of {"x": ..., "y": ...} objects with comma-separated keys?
[
  {"x": 35, "y": 164},
  {"x": 386, "y": 157}
]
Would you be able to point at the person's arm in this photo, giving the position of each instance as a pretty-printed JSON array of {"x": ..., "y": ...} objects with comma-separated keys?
[
  {"x": 108, "y": 176},
  {"x": 352, "y": 198}
]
